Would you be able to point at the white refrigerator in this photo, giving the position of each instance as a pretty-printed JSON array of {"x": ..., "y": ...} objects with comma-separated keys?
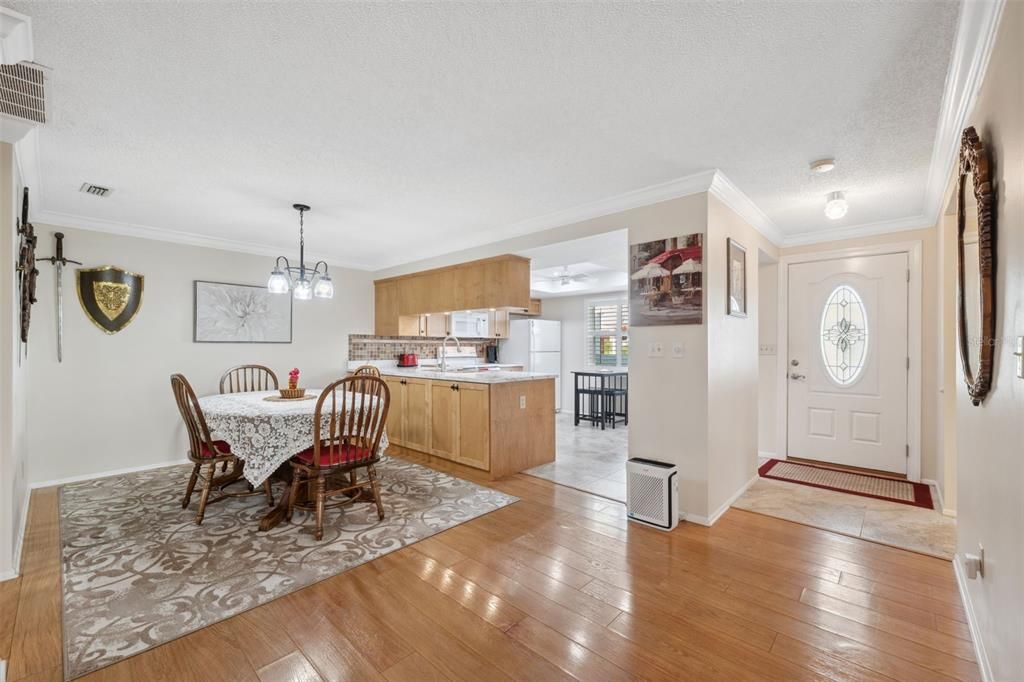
[{"x": 537, "y": 346}]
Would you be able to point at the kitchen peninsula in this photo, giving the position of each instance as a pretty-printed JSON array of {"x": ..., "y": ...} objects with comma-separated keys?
[{"x": 498, "y": 421}]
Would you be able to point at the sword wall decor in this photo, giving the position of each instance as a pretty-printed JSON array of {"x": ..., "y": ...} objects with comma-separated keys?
[{"x": 59, "y": 261}]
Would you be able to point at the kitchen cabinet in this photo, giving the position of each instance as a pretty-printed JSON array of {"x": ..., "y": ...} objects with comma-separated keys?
[
  {"x": 444, "y": 418},
  {"x": 499, "y": 326},
  {"x": 412, "y": 325},
  {"x": 535, "y": 307},
  {"x": 500, "y": 428},
  {"x": 501, "y": 282},
  {"x": 438, "y": 325},
  {"x": 473, "y": 425}
]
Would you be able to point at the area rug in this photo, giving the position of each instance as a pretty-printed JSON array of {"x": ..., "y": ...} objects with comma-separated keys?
[
  {"x": 877, "y": 487},
  {"x": 137, "y": 572}
]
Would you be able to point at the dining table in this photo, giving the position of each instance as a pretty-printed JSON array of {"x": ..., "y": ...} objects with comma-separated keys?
[{"x": 266, "y": 432}]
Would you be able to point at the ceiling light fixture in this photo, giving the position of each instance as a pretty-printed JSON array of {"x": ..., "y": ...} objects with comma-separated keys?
[
  {"x": 303, "y": 282},
  {"x": 822, "y": 166},
  {"x": 835, "y": 205}
]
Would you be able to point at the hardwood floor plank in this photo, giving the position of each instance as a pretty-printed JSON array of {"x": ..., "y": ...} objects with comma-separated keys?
[
  {"x": 291, "y": 668},
  {"x": 414, "y": 668},
  {"x": 818, "y": 661},
  {"x": 570, "y": 656},
  {"x": 10, "y": 591}
]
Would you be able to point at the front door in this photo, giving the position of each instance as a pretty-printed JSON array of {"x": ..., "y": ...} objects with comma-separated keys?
[{"x": 848, "y": 361}]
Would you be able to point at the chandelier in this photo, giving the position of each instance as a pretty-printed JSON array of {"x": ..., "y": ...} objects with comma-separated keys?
[{"x": 303, "y": 282}]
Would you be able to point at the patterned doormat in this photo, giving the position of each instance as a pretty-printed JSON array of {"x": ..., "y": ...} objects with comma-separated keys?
[
  {"x": 865, "y": 485},
  {"x": 137, "y": 572}
]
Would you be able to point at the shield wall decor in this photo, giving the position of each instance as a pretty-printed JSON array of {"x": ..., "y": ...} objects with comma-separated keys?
[{"x": 110, "y": 296}]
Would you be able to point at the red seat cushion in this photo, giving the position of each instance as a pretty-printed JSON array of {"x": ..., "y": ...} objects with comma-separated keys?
[
  {"x": 223, "y": 447},
  {"x": 334, "y": 456}
]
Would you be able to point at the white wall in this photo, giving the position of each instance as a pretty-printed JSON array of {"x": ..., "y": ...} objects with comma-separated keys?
[
  {"x": 767, "y": 366},
  {"x": 13, "y": 375},
  {"x": 109, "y": 405},
  {"x": 990, "y": 455}
]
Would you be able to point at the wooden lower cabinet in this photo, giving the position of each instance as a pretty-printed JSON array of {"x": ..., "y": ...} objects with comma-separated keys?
[
  {"x": 499, "y": 428},
  {"x": 474, "y": 425}
]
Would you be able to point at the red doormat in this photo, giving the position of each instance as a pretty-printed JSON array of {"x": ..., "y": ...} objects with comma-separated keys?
[{"x": 865, "y": 485}]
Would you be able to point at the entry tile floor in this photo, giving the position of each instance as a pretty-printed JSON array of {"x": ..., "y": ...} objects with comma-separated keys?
[
  {"x": 889, "y": 523},
  {"x": 588, "y": 458}
]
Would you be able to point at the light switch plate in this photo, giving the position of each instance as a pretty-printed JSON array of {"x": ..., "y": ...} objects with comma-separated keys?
[
  {"x": 1019, "y": 352},
  {"x": 678, "y": 350},
  {"x": 522, "y": 402},
  {"x": 656, "y": 349}
]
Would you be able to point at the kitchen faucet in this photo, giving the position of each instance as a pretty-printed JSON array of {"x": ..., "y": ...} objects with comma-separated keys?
[{"x": 444, "y": 350}]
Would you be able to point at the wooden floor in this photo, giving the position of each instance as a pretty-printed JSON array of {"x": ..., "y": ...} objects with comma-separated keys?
[{"x": 557, "y": 586}]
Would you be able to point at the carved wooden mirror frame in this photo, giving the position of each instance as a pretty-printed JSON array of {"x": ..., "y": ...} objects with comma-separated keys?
[{"x": 974, "y": 161}]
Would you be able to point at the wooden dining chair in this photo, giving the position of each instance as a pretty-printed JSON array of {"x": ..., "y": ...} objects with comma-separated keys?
[
  {"x": 247, "y": 378},
  {"x": 366, "y": 370},
  {"x": 348, "y": 424},
  {"x": 206, "y": 453}
]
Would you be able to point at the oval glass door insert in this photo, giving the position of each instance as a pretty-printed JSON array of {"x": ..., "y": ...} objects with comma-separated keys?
[{"x": 844, "y": 335}]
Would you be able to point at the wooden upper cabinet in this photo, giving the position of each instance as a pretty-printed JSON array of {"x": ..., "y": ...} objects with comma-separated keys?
[{"x": 501, "y": 282}]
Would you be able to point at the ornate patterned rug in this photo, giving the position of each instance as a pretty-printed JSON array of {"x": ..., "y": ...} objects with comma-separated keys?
[{"x": 138, "y": 572}]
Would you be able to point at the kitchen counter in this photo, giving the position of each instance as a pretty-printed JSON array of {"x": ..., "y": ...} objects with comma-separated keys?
[{"x": 491, "y": 376}]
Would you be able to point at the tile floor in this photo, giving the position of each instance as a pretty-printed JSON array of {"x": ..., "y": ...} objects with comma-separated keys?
[
  {"x": 920, "y": 530},
  {"x": 588, "y": 458}
]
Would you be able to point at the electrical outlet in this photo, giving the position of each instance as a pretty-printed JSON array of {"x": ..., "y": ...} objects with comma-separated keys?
[
  {"x": 522, "y": 402},
  {"x": 766, "y": 349},
  {"x": 678, "y": 350},
  {"x": 656, "y": 349}
]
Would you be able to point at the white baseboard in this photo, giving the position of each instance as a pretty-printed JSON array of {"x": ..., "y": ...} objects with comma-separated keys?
[
  {"x": 710, "y": 520},
  {"x": 19, "y": 542},
  {"x": 972, "y": 621},
  {"x": 3, "y": 671},
  {"x": 768, "y": 455},
  {"x": 934, "y": 485},
  {"x": 105, "y": 474}
]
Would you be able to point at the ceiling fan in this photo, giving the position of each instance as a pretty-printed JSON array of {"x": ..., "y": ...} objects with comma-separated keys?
[{"x": 565, "y": 278}]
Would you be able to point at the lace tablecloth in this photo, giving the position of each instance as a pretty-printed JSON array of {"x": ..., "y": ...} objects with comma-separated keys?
[{"x": 263, "y": 433}]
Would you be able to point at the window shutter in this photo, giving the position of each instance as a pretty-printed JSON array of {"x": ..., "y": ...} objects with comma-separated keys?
[{"x": 607, "y": 345}]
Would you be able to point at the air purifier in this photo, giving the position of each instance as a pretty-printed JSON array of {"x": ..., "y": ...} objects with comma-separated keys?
[{"x": 652, "y": 493}]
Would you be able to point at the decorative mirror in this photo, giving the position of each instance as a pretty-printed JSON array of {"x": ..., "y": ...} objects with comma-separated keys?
[{"x": 976, "y": 233}]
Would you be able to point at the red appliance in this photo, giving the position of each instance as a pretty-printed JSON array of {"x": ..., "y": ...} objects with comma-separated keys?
[{"x": 407, "y": 360}]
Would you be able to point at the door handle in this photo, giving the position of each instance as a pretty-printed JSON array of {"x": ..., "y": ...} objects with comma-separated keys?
[{"x": 797, "y": 377}]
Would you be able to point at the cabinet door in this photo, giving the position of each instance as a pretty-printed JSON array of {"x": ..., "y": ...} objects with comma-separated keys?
[
  {"x": 499, "y": 324},
  {"x": 416, "y": 425},
  {"x": 385, "y": 308},
  {"x": 437, "y": 325},
  {"x": 412, "y": 325},
  {"x": 444, "y": 415},
  {"x": 395, "y": 410},
  {"x": 474, "y": 425},
  {"x": 535, "y": 307}
]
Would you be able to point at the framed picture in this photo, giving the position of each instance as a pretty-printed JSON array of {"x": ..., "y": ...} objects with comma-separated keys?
[
  {"x": 736, "y": 293},
  {"x": 240, "y": 313},
  {"x": 666, "y": 281}
]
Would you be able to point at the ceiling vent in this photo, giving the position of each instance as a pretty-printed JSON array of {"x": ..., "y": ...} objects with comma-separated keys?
[
  {"x": 22, "y": 93},
  {"x": 95, "y": 190}
]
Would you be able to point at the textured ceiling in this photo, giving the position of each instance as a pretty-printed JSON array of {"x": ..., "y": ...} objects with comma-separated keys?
[
  {"x": 602, "y": 257},
  {"x": 415, "y": 129}
]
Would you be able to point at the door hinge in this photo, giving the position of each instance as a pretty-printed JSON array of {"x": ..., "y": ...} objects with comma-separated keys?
[
  {"x": 908, "y": 274},
  {"x": 908, "y": 362},
  {"x": 908, "y": 451}
]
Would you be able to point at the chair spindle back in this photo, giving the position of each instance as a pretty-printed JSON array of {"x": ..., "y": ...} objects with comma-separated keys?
[
  {"x": 192, "y": 415},
  {"x": 349, "y": 421},
  {"x": 366, "y": 370},
  {"x": 248, "y": 378}
]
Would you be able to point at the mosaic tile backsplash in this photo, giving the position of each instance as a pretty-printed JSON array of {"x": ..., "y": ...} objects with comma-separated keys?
[{"x": 369, "y": 347}]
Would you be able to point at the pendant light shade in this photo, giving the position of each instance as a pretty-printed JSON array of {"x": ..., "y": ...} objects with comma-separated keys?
[{"x": 304, "y": 282}]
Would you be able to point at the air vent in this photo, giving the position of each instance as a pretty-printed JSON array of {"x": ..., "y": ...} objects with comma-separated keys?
[
  {"x": 22, "y": 92},
  {"x": 96, "y": 190}
]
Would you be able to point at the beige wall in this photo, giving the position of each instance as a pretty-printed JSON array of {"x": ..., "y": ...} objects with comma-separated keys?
[
  {"x": 109, "y": 405},
  {"x": 931, "y": 464},
  {"x": 733, "y": 363},
  {"x": 767, "y": 379},
  {"x": 569, "y": 311},
  {"x": 13, "y": 374},
  {"x": 990, "y": 454}
]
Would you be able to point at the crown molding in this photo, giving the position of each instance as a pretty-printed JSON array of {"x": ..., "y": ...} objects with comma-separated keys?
[
  {"x": 972, "y": 47},
  {"x": 835, "y": 234},
  {"x": 71, "y": 221},
  {"x": 729, "y": 194}
]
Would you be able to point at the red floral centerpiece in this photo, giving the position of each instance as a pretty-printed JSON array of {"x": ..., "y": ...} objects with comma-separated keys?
[{"x": 293, "y": 390}]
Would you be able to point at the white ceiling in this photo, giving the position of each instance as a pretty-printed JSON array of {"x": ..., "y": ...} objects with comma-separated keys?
[
  {"x": 602, "y": 257},
  {"x": 416, "y": 129}
]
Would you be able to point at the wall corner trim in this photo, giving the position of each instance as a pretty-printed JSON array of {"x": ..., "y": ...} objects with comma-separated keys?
[{"x": 972, "y": 620}]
